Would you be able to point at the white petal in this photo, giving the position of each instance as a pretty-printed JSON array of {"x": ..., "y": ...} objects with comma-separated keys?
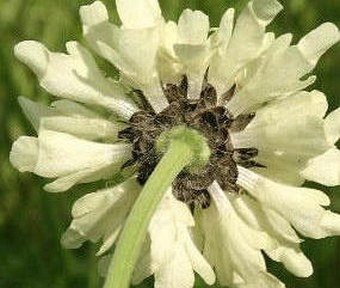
[
  {"x": 269, "y": 221},
  {"x": 90, "y": 129},
  {"x": 318, "y": 41},
  {"x": 64, "y": 183},
  {"x": 61, "y": 154},
  {"x": 24, "y": 153},
  {"x": 285, "y": 154},
  {"x": 230, "y": 249},
  {"x": 225, "y": 30},
  {"x": 293, "y": 259},
  {"x": 300, "y": 206},
  {"x": 139, "y": 14},
  {"x": 281, "y": 73},
  {"x": 173, "y": 254},
  {"x": 56, "y": 154},
  {"x": 74, "y": 109},
  {"x": 35, "y": 111},
  {"x": 332, "y": 126},
  {"x": 93, "y": 14},
  {"x": 98, "y": 215},
  {"x": 73, "y": 76},
  {"x": 195, "y": 61},
  {"x": 245, "y": 44},
  {"x": 81, "y": 123},
  {"x": 324, "y": 169},
  {"x": 193, "y": 27},
  {"x": 284, "y": 242},
  {"x": 132, "y": 51}
]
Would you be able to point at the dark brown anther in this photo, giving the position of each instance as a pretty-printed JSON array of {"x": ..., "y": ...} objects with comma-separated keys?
[
  {"x": 226, "y": 97},
  {"x": 210, "y": 120},
  {"x": 172, "y": 93},
  {"x": 208, "y": 97},
  {"x": 224, "y": 117},
  {"x": 203, "y": 199},
  {"x": 142, "y": 118},
  {"x": 241, "y": 122}
]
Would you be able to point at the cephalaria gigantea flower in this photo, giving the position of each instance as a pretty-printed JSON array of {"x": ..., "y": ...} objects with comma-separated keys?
[{"x": 240, "y": 87}]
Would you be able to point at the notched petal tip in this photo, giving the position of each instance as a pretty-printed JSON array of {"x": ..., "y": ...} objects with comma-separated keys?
[
  {"x": 318, "y": 41},
  {"x": 266, "y": 10},
  {"x": 33, "y": 54},
  {"x": 139, "y": 14},
  {"x": 93, "y": 14}
]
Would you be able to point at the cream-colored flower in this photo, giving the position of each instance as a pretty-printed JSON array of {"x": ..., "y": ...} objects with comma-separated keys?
[{"x": 241, "y": 88}]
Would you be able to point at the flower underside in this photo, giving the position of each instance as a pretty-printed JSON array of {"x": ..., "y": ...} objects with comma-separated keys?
[{"x": 203, "y": 114}]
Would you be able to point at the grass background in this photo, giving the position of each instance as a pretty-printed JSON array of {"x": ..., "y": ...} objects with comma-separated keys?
[{"x": 31, "y": 220}]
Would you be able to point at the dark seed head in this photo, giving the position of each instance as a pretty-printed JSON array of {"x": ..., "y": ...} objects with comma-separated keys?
[{"x": 212, "y": 121}]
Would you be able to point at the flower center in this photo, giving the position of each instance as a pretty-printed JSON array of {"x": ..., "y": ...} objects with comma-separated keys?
[{"x": 213, "y": 121}]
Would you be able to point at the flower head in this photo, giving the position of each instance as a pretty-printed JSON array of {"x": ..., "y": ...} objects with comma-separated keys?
[{"x": 238, "y": 86}]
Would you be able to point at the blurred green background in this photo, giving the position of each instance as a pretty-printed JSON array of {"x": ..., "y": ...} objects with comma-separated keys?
[{"x": 32, "y": 221}]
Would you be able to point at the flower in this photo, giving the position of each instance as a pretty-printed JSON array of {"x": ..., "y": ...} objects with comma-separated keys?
[{"x": 239, "y": 86}]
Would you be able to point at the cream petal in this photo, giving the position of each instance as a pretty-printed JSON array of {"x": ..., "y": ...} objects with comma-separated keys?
[
  {"x": 172, "y": 247},
  {"x": 100, "y": 214},
  {"x": 171, "y": 276},
  {"x": 132, "y": 51},
  {"x": 277, "y": 45},
  {"x": 85, "y": 128},
  {"x": 293, "y": 259},
  {"x": 139, "y": 14},
  {"x": 73, "y": 109},
  {"x": 192, "y": 48},
  {"x": 284, "y": 242},
  {"x": 285, "y": 154},
  {"x": 24, "y": 153},
  {"x": 59, "y": 155},
  {"x": 35, "y": 111},
  {"x": 265, "y": 220},
  {"x": 245, "y": 44},
  {"x": 324, "y": 169},
  {"x": 64, "y": 183},
  {"x": 93, "y": 14},
  {"x": 81, "y": 123},
  {"x": 81, "y": 78},
  {"x": 230, "y": 249},
  {"x": 302, "y": 207},
  {"x": 225, "y": 30},
  {"x": 332, "y": 126},
  {"x": 282, "y": 72},
  {"x": 193, "y": 27},
  {"x": 318, "y": 41},
  {"x": 195, "y": 61},
  {"x": 279, "y": 76}
]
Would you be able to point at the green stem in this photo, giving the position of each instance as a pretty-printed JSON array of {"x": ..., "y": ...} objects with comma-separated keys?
[{"x": 180, "y": 152}]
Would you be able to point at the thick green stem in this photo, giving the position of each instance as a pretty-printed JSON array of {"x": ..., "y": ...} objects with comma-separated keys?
[{"x": 181, "y": 151}]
